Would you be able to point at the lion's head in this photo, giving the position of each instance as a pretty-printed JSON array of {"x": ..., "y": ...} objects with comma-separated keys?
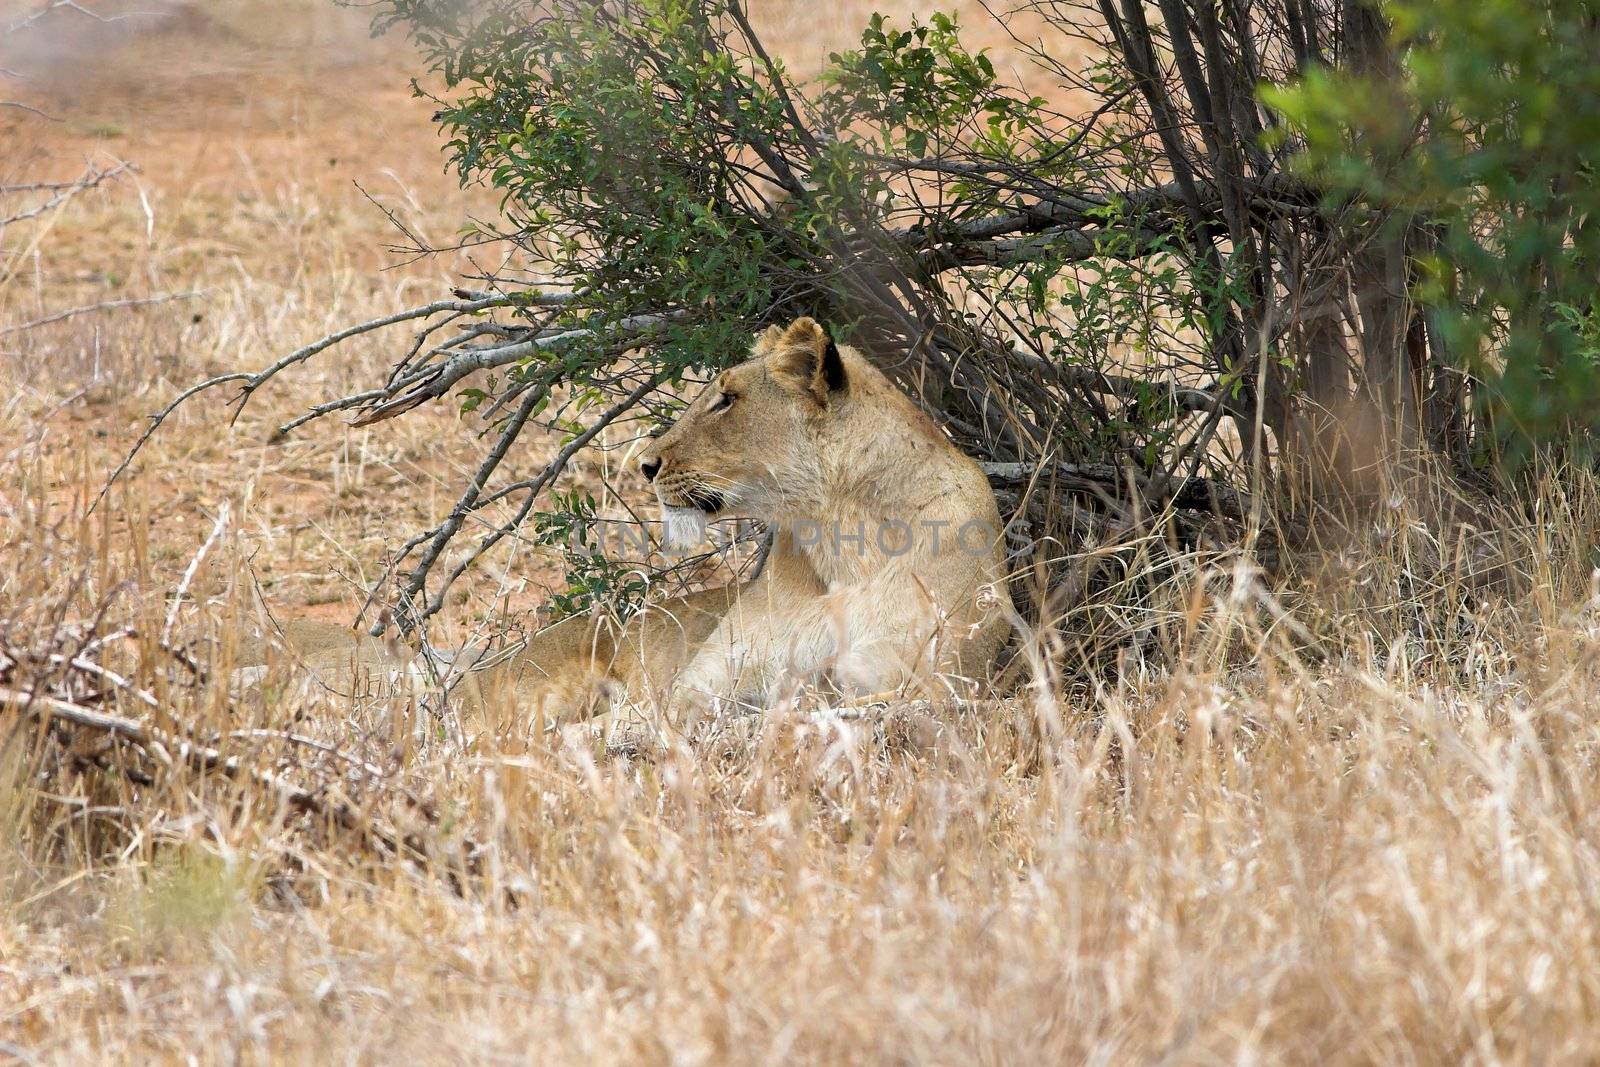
[{"x": 747, "y": 444}]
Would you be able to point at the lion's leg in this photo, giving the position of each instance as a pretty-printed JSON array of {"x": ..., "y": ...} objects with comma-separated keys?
[
  {"x": 736, "y": 665},
  {"x": 866, "y": 641},
  {"x": 761, "y": 650}
]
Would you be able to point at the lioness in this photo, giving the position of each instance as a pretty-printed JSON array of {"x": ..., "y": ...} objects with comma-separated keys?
[{"x": 887, "y": 569}]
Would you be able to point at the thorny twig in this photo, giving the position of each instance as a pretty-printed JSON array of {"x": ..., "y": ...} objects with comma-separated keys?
[
  {"x": 536, "y": 485},
  {"x": 63, "y": 191}
]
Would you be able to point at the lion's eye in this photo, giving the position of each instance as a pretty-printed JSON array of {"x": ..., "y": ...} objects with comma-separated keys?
[{"x": 724, "y": 402}]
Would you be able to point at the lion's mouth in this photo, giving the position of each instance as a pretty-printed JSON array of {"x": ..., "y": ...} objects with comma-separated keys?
[
  {"x": 707, "y": 500},
  {"x": 692, "y": 497}
]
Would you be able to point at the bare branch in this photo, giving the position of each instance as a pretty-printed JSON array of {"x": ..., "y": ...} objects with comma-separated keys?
[
  {"x": 300, "y": 355},
  {"x": 431, "y": 381},
  {"x": 469, "y": 498},
  {"x": 434, "y": 381},
  {"x": 472, "y": 500},
  {"x": 1075, "y": 226},
  {"x": 65, "y": 191},
  {"x": 1183, "y": 398},
  {"x": 20, "y": 106},
  {"x": 1064, "y": 244},
  {"x": 1200, "y": 494},
  {"x": 155, "y": 424},
  {"x": 104, "y": 305}
]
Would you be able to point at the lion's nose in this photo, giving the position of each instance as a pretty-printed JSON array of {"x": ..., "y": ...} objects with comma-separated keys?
[{"x": 651, "y": 468}]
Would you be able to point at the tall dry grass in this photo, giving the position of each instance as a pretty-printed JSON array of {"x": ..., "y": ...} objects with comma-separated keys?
[
  {"x": 1351, "y": 829},
  {"x": 1338, "y": 815}
]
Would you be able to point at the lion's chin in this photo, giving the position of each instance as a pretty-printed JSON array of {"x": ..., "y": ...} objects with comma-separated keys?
[{"x": 684, "y": 527}]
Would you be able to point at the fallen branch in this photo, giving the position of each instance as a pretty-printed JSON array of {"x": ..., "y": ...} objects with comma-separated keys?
[
  {"x": 169, "y": 749},
  {"x": 166, "y": 748}
]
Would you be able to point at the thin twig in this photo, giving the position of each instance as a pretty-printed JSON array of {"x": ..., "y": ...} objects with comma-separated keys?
[
  {"x": 535, "y": 485},
  {"x": 20, "y": 106},
  {"x": 91, "y": 179},
  {"x": 469, "y": 498},
  {"x": 104, "y": 305},
  {"x": 300, "y": 355},
  {"x": 433, "y": 381},
  {"x": 155, "y": 424}
]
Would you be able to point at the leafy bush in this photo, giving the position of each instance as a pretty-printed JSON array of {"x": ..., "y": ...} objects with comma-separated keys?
[{"x": 1484, "y": 135}]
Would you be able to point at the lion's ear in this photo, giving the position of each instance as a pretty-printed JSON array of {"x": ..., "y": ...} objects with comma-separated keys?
[
  {"x": 806, "y": 358},
  {"x": 768, "y": 340}
]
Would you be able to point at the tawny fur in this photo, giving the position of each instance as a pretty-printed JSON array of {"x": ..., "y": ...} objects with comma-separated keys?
[
  {"x": 811, "y": 438},
  {"x": 819, "y": 443}
]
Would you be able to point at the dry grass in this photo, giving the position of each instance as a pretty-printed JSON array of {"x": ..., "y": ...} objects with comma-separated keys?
[{"x": 1346, "y": 820}]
